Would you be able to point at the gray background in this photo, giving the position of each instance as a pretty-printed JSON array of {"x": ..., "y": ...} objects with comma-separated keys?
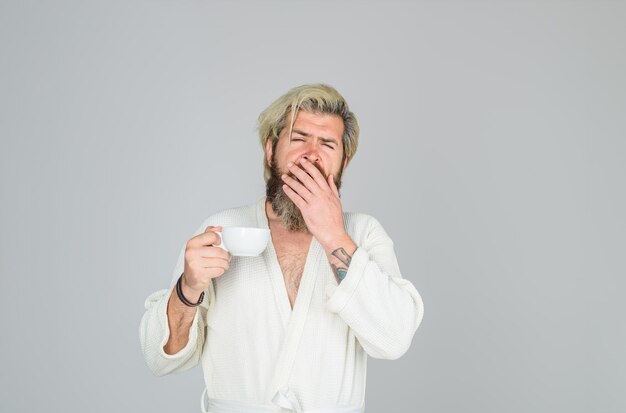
[{"x": 492, "y": 151}]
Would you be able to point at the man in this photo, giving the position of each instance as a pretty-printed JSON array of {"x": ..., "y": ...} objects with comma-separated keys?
[{"x": 290, "y": 329}]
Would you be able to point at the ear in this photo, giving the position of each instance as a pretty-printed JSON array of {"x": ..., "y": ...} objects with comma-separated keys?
[
  {"x": 345, "y": 163},
  {"x": 268, "y": 152}
]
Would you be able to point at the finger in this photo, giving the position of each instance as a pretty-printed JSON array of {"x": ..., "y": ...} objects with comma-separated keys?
[
  {"x": 315, "y": 173},
  {"x": 304, "y": 177},
  {"x": 212, "y": 263},
  {"x": 213, "y": 228},
  {"x": 297, "y": 199},
  {"x": 213, "y": 272},
  {"x": 214, "y": 252},
  {"x": 206, "y": 238},
  {"x": 297, "y": 186},
  {"x": 331, "y": 184},
  {"x": 216, "y": 272}
]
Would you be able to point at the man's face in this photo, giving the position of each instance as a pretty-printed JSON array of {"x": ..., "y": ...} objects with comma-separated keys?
[{"x": 316, "y": 137}]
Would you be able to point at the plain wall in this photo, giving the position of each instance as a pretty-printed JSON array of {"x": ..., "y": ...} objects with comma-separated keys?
[{"x": 492, "y": 151}]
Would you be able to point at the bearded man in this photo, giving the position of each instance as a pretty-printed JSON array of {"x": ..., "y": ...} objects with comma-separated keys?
[{"x": 288, "y": 330}]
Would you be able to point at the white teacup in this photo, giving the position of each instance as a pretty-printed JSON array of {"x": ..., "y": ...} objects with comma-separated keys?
[{"x": 244, "y": 241}]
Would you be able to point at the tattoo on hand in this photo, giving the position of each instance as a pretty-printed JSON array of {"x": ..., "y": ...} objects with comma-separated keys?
[{"x": 340, "y": 272}]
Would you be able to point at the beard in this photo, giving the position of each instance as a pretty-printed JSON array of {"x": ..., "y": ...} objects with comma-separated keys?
[{"x": 288, "y": 212}]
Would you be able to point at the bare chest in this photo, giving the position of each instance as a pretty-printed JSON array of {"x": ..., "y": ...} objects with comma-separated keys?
[{"x": 291, "y": 256}]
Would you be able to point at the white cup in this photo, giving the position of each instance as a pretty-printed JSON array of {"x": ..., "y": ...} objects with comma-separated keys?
[{"x": 244, "y": 241}]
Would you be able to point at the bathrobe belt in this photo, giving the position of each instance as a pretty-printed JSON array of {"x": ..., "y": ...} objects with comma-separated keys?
[{"x": 284, "y": 401}]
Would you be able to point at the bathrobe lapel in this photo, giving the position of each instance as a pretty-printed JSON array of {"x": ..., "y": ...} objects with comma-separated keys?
[{"x": 293, "y": 321}]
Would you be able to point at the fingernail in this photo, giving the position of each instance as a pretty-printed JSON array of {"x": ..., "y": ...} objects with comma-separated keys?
[{"x": 290, "y": 164}]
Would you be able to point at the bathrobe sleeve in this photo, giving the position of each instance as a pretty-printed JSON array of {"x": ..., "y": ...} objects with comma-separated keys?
[
  {"x": 154, "y": 329},
  {"x": 380, "y": 307}
]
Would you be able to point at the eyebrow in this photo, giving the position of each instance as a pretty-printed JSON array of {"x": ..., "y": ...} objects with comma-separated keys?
[{"x": 308, "y": 135}]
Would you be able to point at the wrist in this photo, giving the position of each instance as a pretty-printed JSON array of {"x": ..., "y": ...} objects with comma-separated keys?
[
  {"x": 189, "y": 291},
  {"x": 189, "y": 296},
  {"x": 340, "y": 241}
]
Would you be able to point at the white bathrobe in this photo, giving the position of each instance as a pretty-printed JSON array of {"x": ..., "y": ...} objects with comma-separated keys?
[{"x": 254, "y": 349}]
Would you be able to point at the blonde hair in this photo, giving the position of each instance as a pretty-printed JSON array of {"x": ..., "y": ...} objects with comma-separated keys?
[{"x": 315, "y": 98}]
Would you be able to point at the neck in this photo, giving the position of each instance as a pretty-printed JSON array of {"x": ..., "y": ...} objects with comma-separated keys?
[{"x": 276, "y": 224}]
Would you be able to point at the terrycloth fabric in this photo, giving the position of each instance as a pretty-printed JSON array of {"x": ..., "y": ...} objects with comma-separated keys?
[{"x": 250, "y": 343}]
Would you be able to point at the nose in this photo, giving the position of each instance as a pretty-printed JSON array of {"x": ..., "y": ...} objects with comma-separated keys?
[{"x": 312, "y": 157}]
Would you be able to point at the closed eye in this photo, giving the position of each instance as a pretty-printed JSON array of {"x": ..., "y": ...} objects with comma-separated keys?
[{"x": 327, "y": 145}]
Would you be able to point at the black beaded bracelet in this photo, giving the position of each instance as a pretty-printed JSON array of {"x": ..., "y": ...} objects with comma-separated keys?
[{"x": 179, "y": 292}]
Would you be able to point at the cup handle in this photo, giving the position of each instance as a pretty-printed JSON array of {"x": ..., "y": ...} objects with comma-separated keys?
[{"x": 222, "y": 246}]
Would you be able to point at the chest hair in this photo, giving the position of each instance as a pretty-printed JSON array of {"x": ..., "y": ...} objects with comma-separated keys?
[{"x": 292, "y": 261}]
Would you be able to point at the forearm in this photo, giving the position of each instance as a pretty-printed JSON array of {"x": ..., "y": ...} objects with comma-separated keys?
[
  {"x": 339, "y": 253},
  {"x": 383, "y": 309},
  {"x": 179, "y": 318}
]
